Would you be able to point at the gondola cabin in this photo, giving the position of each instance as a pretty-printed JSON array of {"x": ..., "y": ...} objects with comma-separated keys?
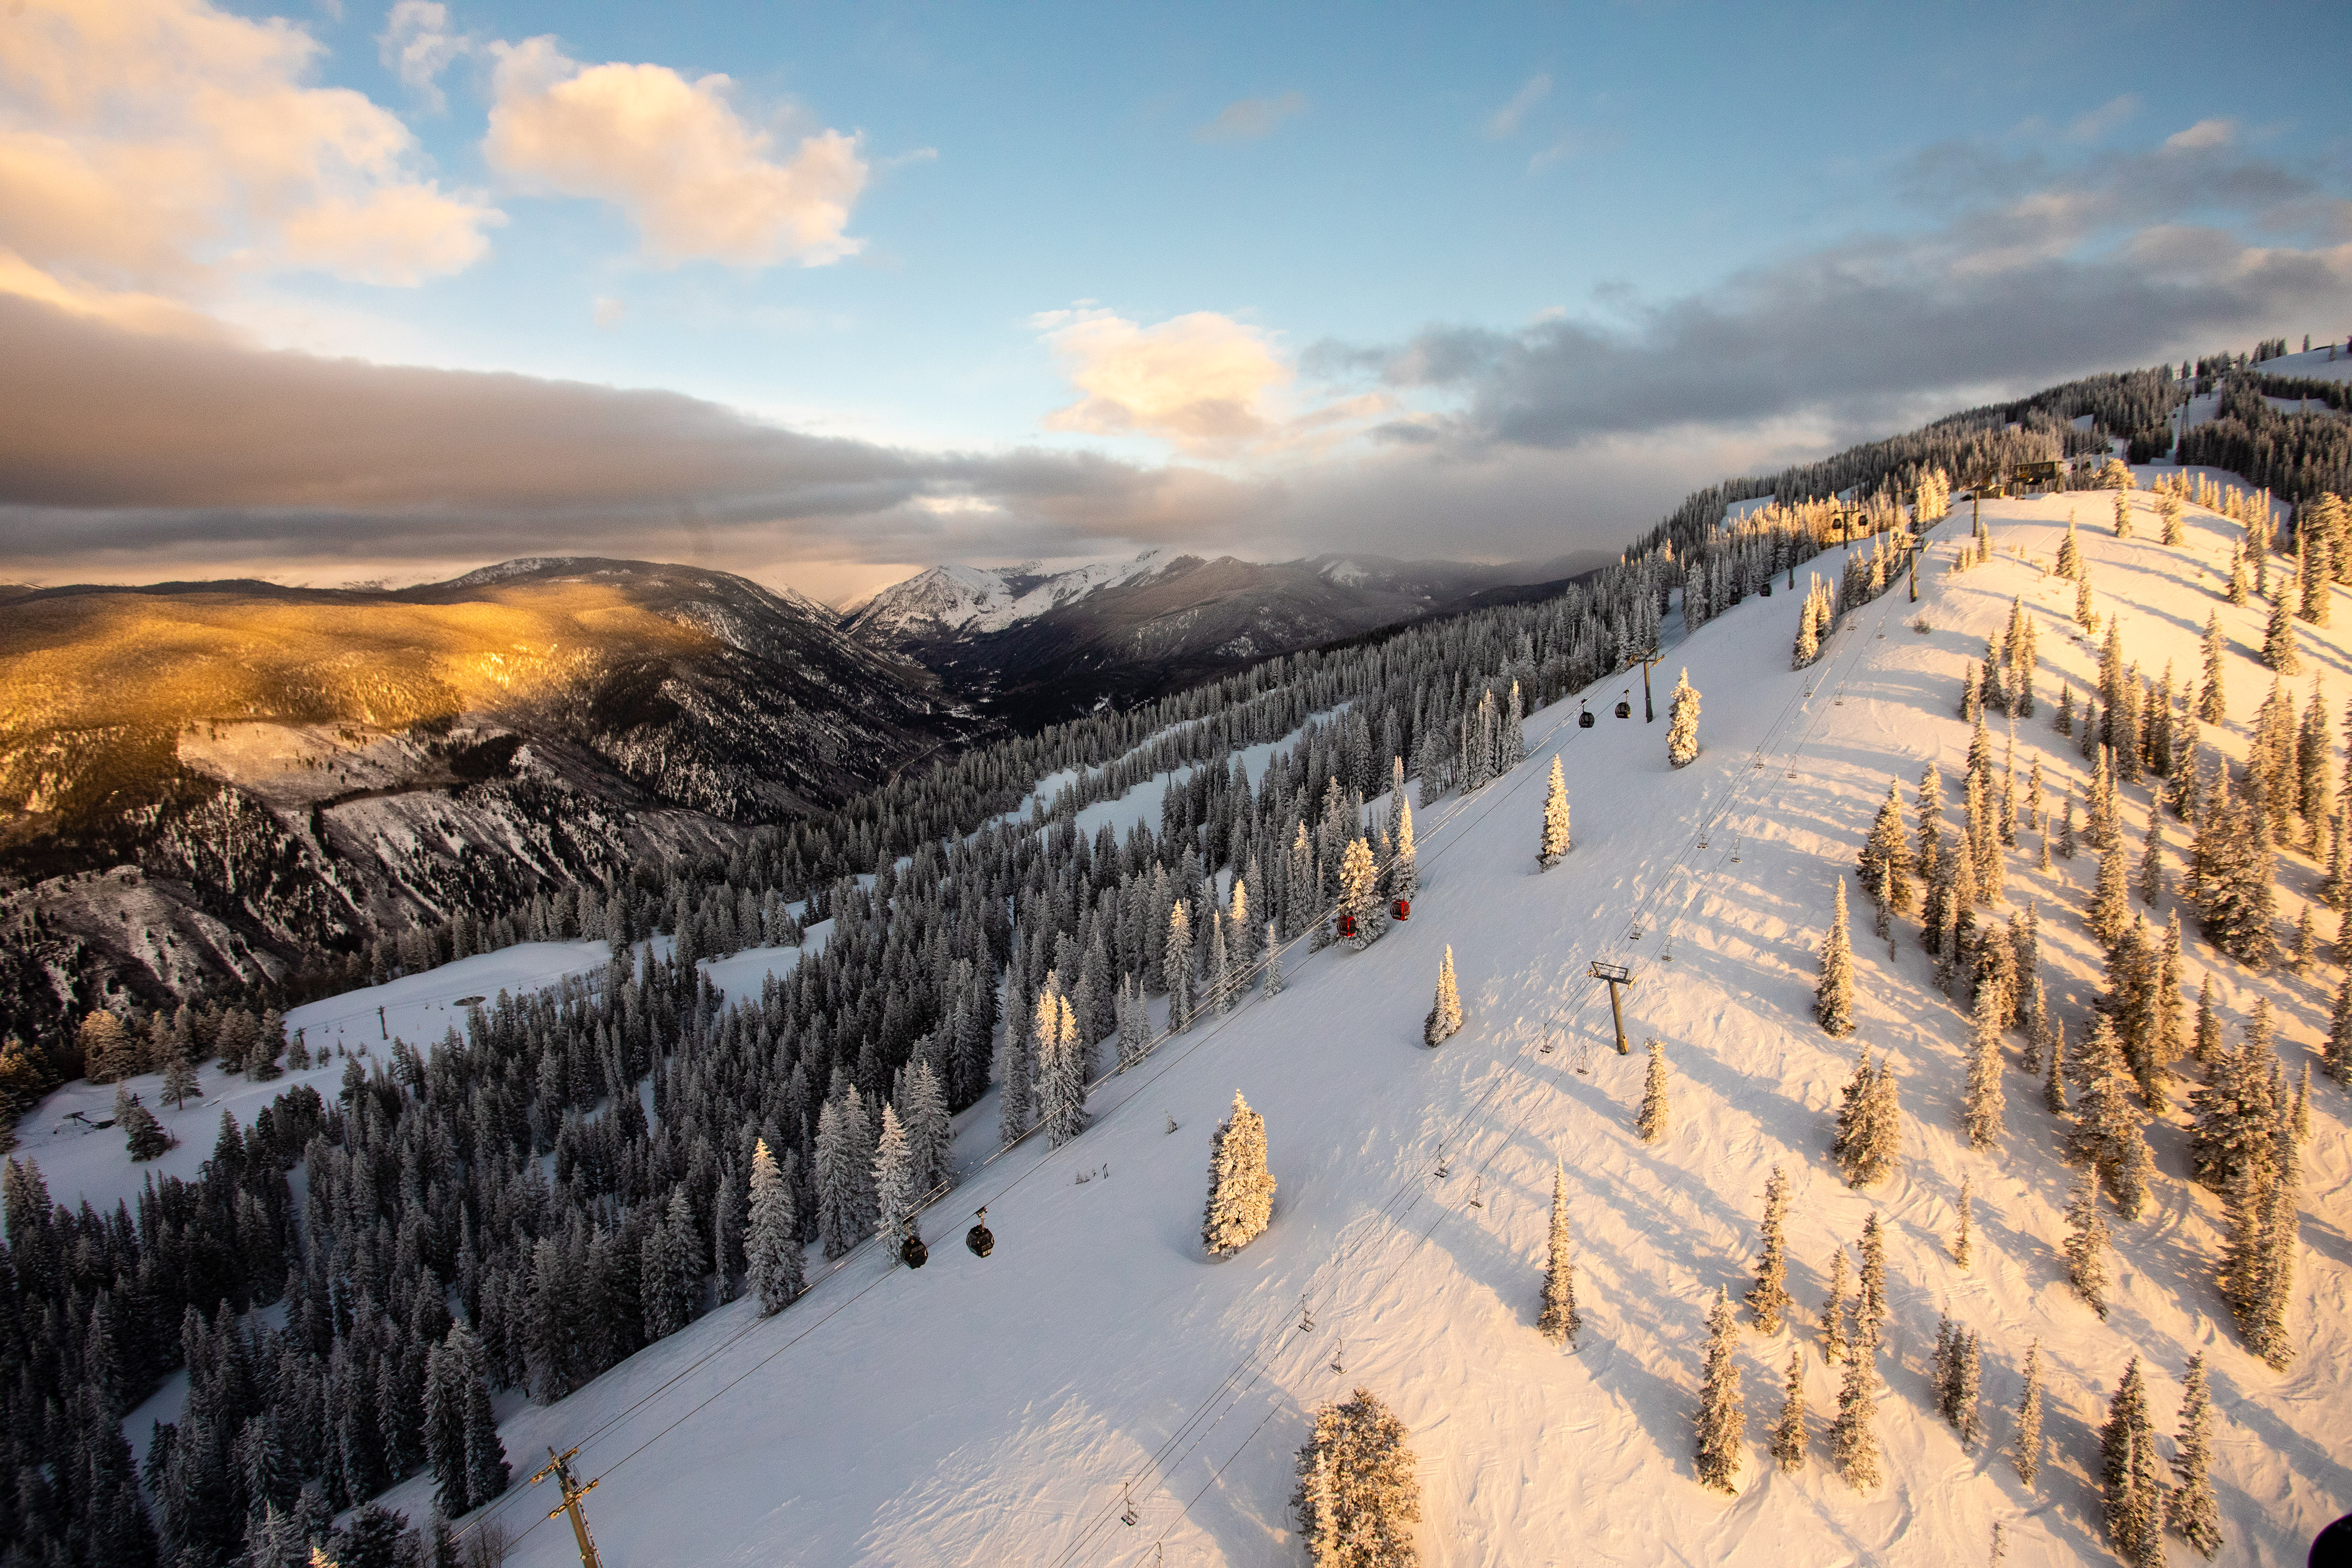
[
  {"x": 1347, "y": 928},
  {"x": 913, "y": 1253},
  {"x": 1402, "y": 909},
  {"x": 980, "y": 1239},
  {"x": 1624, "y": 710},
  {"x": 1584, "y": 718}
]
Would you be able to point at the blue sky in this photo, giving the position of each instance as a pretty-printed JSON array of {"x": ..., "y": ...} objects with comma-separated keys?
[{"x": 1078, "y": 279}]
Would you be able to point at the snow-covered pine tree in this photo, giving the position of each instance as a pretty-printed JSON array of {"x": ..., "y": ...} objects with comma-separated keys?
[
  {"x": 1768, "y": 1300},
  {"x": 2233, "y": 1115},
  {"x": 929, "y": 1129},
  {"x": 1789, "y": 1426},
  {"x": 2039, "y": 1029},
  {"x": 2110, "y": 910},
  {"x": 2335, "y": 1051},
  {"x": 1177, "y": 968},
  {"x": 2278, "y": 640},
  {"x": 1359, "y": 896},
  {"x": 2087, "y": 1244},
  {"x": 2108, "y": 1133},
  {"x": 1719, "y": 1436},
  {"x": 142, "y": 1134},
  {"x": 772, "y": 1242},
  {"x": 1446, "y": 1013},
  {"x": 1981, "y": 1113},
  {"x": 1241, "y": 1189},
  {"x": 1870, "y": 1124},
  {"x": 2151, "y": 861},
  {"x": 2131, "y": 1483},
  {"x": 2190, "y": 1510},
  {"x": 1835, "y": 1345},
  {"x": 1404, "y": 872},
  {"x": 1870, "y": 1306},
  {"x": 2123, "y": 516},
  {"x": 1807, "y": 646},
  {"x": 1833, "y": 994},
  {"x": 1656, "y": 1110},
  {"x": 2070, "y": 552},
  {"x": 1557, "y": 1318},
  {"x": 2212, "y": 703},
  {"x": 2067, "y": 845},
  {"x": 1358, "y": 1496},
  {"x": 894, "y": 1180},
  {"x": 1062, "y": 1102},
  {"x": 1552, "y": 847},
  {"x": 1682, "y": 723},
  {"x": 1854, "y": 1435},
  {"x": 1885, "y": 854},
  {"x": 1273, "y": 961},
  {"x": 1964, "y": 1222},
  {"x": 838, "y": 1216},
  {"x": 2025, "y": 1447},
  {"x": 671, "y": 1275}
]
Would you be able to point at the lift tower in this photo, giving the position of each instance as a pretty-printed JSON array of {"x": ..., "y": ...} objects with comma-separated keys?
[{"x": 560, "y": 1466}]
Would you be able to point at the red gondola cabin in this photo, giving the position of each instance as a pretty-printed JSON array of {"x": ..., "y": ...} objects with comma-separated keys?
[
  {"x": 1402, "y": 909},
  {"x": 1346, "y": 926}
]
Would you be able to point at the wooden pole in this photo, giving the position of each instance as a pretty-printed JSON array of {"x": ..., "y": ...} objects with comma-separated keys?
[{"x": 1615, "y": 975}]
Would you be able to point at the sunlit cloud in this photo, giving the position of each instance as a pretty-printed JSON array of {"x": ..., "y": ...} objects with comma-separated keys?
[
  {"x": 159, "y": 149},
  {"x": 698, "y": 180},
  {"x": 416, "y": 45}
]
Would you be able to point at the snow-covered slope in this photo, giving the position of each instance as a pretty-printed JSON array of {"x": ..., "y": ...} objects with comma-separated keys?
[{"x": 1007, "y": 1409}]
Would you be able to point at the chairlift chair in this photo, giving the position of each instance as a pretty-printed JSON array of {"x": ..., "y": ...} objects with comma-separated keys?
[{"x": 980, "y": 1239}]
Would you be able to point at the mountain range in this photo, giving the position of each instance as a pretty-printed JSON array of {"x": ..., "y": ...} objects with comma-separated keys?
[{"x": 1033, "y": 646}]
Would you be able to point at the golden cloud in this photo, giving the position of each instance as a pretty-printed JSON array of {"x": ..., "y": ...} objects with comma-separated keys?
[{"x": 698, "y": 181}]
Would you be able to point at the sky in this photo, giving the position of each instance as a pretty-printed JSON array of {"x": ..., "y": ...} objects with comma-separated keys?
[{"x": 332, "y": 292}]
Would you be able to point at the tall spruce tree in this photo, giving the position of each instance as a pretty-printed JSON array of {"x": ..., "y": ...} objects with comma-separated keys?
[
  {"x": 1833, "y": 994},
  {"x": 1769, "y": 1299},
  {"x": 1719, "y": 1438},
  {"x": 1789, "y": 1426},
  {"x": 1241, "y": 1189},
  {"x": 1650, "y": 1122},
  {"x": 1357, "y": 1496},
  {"x": 2190, "y": 1512},
  {"x": 1557, "y": 1318},
  {"x": 1444, "y": 1019},
  {"x": 1682, "y": 723},
  {"x": 1980, "y": 1115},
  {"x": 2131, "y": 1484},
  {"x": 2087, "y": 1244},
  {"x": 772, "y": 1241},
  {"x": 1552, "y": 847},
  {"x": 2025, "y": 1446}
]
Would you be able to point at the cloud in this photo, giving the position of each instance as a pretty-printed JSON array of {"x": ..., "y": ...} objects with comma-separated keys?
[
  {"x": 1199, "y": 381},
  {"x": 1573, "y": 143},
  {"x": 1250, "y": 119},
  {"x": 124, "y": 452},
  {"x": 698, "y": 180},
  {"x": 2204, "y": 133},
  {"x": 2108, "y": 116},
  {"x": 417, "y": 46},
  {"x": 159, "y": 149},
  {"x": 1505, "y": 122},
  {"x": 2129, "y": 259}
]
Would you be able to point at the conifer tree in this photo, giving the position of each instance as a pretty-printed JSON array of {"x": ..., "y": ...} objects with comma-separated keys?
[
  {"x": 1359, "y": 895},
  {"x": 2212, "y": 705},
  {"x": 2087, "y": 1244},
  {"x": 2278, "y": 642},
  {"x": 1404, "y": 874},
  {"x": 1177, "y": 968},
  {"x": 1722, "y": 1420},
  {"x": 1980, "y": 1115},
  {"x": 1834, "y": 1337},
  {"x": 1963, "y": 1237},
  {"x": 142, "y": 1134},
  {"x": 1656, "y": 1107},
  {"x": 2335, "y": 1051},
  {"x": 1768, "y": 1300},
  {"x": 2190, "y": 1512},
  {"x": 1833, "y": 994},
  {"x": 1272, "y": 966},
  {"x": 894, "y": 1181},
  {"x": 1885, "y": 858},
  {"x": 1789, "y": 1426},
  {"x": 2025, "y": 1447},
  {"x": 1357, "y": 1496},
  {"x": 1871, "y": 1304},
  {"x": 930, "y": 1131},
  {"x": 2108, "y": 1135},
  {"x": 2123, "y": 516},
  {"x": 2151, "y": 861},
  {"x": 843, "y": 1177},
  {"x": 671, "y": 1275},
  {"x": 1062, "y": 1076},
  {"x": 1446, "y": 1013},
  {"x": 1682, "y": 723},
  {"x": 1554, "y": 844},
  {"x": 1557, "y": 1319},
  {"x": 1241, "y": 1189},
  {"x": 1870, "y": 1128},
  {"x": 2208, "y": 1026},
  {"x": 1854, "y": 1435},
  {"x": 2131, "y": 1483},
  {"x": 773, "y": 1244},
  {"x": 2070, "y": 552}
]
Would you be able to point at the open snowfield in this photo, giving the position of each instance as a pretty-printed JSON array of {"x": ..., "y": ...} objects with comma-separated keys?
[{"x": 1005, "y": 1409}]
